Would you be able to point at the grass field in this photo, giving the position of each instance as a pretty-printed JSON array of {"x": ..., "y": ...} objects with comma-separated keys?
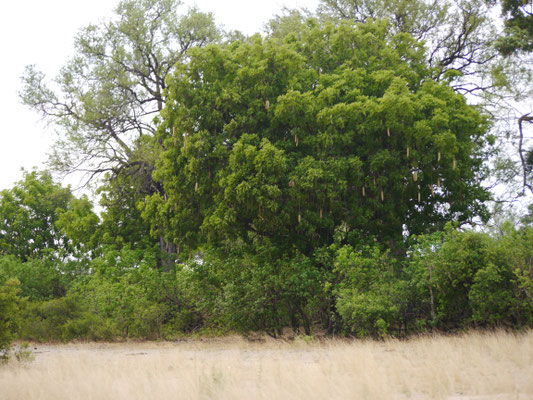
[{"x": 470, "y": 366}]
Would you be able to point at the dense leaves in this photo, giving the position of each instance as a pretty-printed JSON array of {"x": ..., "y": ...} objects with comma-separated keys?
[
  {"x": 288, "y": 141},
  {"x": 29, "y": 215},
  {"x": 9, "y": 308},
  {"x": 321, "y": 179}
]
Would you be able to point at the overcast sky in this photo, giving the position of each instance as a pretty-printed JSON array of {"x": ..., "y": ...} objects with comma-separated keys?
[{"x": 41, "y": 32}]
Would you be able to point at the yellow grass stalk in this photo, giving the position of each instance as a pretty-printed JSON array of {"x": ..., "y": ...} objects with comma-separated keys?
[{"x": 469, "y": 366}]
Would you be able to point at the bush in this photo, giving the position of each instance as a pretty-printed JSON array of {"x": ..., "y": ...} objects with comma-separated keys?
[
  {"x": 45, "y": 321},
  {"x": 9, "y": 309},
  {"x": 475, "y": 278},
  {"x": 371, "y": 298},
  {"x": 40, "y": 279}
]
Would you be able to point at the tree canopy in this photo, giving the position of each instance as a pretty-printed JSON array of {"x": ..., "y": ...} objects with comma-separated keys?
[
  {"x": 107, "y": 95},
  {"x": 340, "y": 129}
]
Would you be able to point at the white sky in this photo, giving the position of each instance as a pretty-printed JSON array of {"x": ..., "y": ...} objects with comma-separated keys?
[{"x": 41, "y": 32}]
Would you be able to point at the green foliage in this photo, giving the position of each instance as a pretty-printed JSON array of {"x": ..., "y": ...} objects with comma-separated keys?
[
  {"x": 253, "y": 288},
  {"x": 124, "y": 289},
  {"x": 44, "y": 321},
  {"x": 41, "y": 222},
  {"x": 371, "y": 297},
  {"x": 518, "y": 33},
  {"x": 80, "y": 224},
  {"x": 40, "y": 279},
  {"x": 501, "y": 293},
  {"x": 9, "y": 313},
  {"x": 458, "y": 35},
  {"x": 450, "y": 279},
  {"x": 124, "y": 296},
  {"x": 288, "y": 141},
  {"x": 28, "y": 216},
  {"x": 477, "y": 278}
]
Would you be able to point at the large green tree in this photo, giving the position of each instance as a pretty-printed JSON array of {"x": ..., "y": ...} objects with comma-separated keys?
[
  {"x": 341, "y": 129},
  {"x": 481, "y": 54}
]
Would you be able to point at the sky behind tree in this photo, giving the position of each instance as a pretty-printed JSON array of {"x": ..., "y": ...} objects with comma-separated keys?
[{"x": 42, "y": 33}]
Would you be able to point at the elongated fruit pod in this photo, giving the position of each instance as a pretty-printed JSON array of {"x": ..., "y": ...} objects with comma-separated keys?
[
  {"x": 267, "y": 104},
  {"x": 415, "y": 176}
]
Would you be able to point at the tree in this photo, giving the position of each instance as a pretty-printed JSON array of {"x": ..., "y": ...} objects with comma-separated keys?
[
  {"x": 464, "y": 46},
  {"x": 274, "y": 149},
  {"x": 518, "y": 32},
  {"x": 458, "y": 35},
  {"x": 41, "y": 219},
  {"x": 28, "y": 216},
  {"x": 515, "y": 43},
  {"x": 291, "y": 141},
  {"x": 107, "y": 98},
  {"x": 109, "y": 93}
]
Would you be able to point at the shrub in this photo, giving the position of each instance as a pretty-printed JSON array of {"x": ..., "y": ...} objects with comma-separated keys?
[
  {"x": 371, "y": 298},
  {"x": 9, "y": 309}
]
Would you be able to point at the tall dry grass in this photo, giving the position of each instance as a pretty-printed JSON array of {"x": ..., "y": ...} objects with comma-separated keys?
[{"x": 471, "y": 366}]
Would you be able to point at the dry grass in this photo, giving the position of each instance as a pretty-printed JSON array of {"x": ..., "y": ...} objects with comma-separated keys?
[{"x": 473, "y": 366}]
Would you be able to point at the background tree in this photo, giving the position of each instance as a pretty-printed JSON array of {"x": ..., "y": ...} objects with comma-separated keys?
[
  {"x": 457, "y": 34},
  {"x": 518, "y": 33},
  {"x": 108, "y": 95},
  {"x": 105, "y": 99},
  {"x": 515, "y": 43},
  {"x": 29, "y": 214}
]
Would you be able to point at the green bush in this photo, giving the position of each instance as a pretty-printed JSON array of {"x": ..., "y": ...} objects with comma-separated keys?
[
  {"x": 475, "y": 278},
  {"x": 9, "y": 309},
  {"x": 45, "y": 321},
  {"x": 371, "y": 298},
  {"x": 40, "y": 279}
]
